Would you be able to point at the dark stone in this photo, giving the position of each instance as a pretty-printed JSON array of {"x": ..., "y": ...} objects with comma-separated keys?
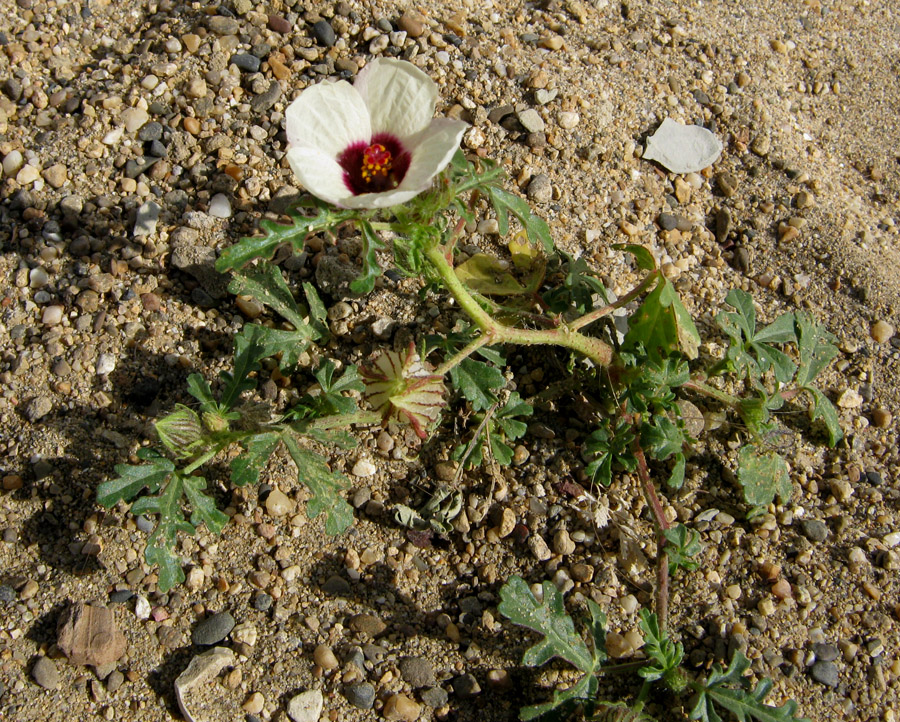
[
  {"x": 825, "y": 673},
  {"x": 246, "y": 62},
  {"x": 466, "y": 686},
  {"x": 814, "y": 530},
  {"x": 324, "y": 33},
  {"x": 265, "y": 100},
  {"x": 434, "y": 697},
  {"x": 361, "y": 694},
  {"x": 417, "y": 672},
  {"x": 135, "y": 167},
  {"x": 262, "y": 601},
  {"x": 121, "y": 596},
  {"x": 701, "y": 97},
  {"x": 336, "y": 586},
  {"x": 157, "y": 149},
  {"x": 825, "y": 652},
  {"x": 667, "y": 221},
  {"x": 213, "y": 630},
  {"x": 7, "y": 593},
  {"x": 150, "y": 131},
  {"x": 874, "y": 478}
]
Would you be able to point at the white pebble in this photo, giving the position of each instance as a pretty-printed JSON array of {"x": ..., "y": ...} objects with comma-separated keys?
[
  {"x": 38, "y": 278},
  {"x": 568, "y": 120},
  {"x": 106, "y": 364},
  {"x": 146, "y": 219},
  {"x": 134, "y": 118},
  {"x": 142, "y": 608},
  {"x": 363, "y": 467},
  {"x": 13, "y": 162},
  {"x": 892, "y": 539},
  {"x": 220, "y": 206},
  {"x": 52, "y": 315},
  {"x": 113, "y": 137},
  {"x": 27, "y": 175}
]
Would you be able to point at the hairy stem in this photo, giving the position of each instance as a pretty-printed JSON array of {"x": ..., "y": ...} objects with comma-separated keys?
[
  {"x": 461, "y": 355},
  {"x": 599, "y": 313},
  {"x": 662, "y": 524},
  {"x": 699, "y": 385},
  {"x": 496, "y": 332}
]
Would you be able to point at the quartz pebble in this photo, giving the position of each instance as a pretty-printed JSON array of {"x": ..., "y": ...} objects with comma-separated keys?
[
  {"x": 882, "y": 331},
  {"x": 401, "y": 707},
  {"x": 279, "y": 504},
  {"x": 306, "y": 706},
  {"x": 220, "y": 206},
  {"x": 325, "y": 658}
]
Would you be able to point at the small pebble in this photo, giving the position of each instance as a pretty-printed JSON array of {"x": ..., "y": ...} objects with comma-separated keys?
[
  {"x": 324, "y": 33},
  {"x": 306, "y": 706},
  {"x": 279, "y": 504},
  {"x": 400, "y": 707},
  {"x": 417, "y": 672},
  {"x": 882, "y": 331},
  {"x": 539, "y": 188},
  {"x": 814, "y": 530},
  {"x": 361, "y": 695},
  {"x": 45, "y": 673},
  {"x": 213, "y": 629},
  {"x": 465, "y": 686},
  {"x": 325, "y": 657},
  {"x": 220, "y": 206},
  {"x": 363, "y": 468},
  {"x": 825, "y": 673}
]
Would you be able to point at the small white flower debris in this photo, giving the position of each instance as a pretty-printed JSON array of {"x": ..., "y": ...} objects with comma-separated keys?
[{"x": 683, "y": 148}]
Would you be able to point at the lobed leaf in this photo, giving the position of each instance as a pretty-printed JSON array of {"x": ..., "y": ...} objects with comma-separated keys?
[
  {"x": 824, "y": 410},
  {"x": 728, "y": 690},
  {"x": 763, "y": 477},
  {"x": 204, "y": 506},
  {"x": 549, "y": 619},
  {"x": 370, "y": 269},
  {"x": 477, "y": 381},
  {"x": 662, "y": 325},
  {"x": 246, "y": 468},
  {"x": 324, "y": 484},
  {"x": 133, "y": 479}
]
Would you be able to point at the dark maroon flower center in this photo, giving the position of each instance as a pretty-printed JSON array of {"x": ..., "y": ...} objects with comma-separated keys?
[{"x": 374, "y": 167}]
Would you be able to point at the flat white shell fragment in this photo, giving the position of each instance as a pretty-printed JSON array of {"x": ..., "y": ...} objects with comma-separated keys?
[{"x": 682, "y": 148}]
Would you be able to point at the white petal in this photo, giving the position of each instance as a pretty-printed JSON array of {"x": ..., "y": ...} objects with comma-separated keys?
[
  {"x": 431, "y": 151},
  {"x": 683, "y": 148},
  {"x": 320, "y": 174},
  {"x": 400, "y": 97},
  {"x": 328, "y": 116},
  {"x": 380, "y": 200}
]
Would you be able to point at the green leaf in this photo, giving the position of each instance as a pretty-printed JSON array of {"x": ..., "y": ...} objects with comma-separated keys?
[
  {"x": 161, "y": 543},
  {"x": 324, "y": 484},
  {"x": 248, "y": 350},
  {"x": 266, "y": 284},
  {"x": 370, "y": 270},
  {"x": 246, "y": 468},
  {"x": 642, "y": 256},
  {"x": 486, "y": 274},
  {"x": 477, "y": 382},
  {"x": 247, "y": 249},
  {"x": 763, "y": 476},
  {"x": 132, "y": 479},
  {"x": 823, "y": 409},
  {"x": 676, "y": 478},
  {"x": 317, "y": 311},
  {"x": 549, "y": 619},
  {"x": 745, "y": 317},
  {"x": 781, "y": 330},
  {"x": 681, "y": 545},
  {"x": 665, "y": 655},
  {"x": 779, "y": 361},
  {"x": 535, "y": 227},
  {"x": 661, "y": 437},
  {"x": 583, "y": 690},
  {"x": 577, "y": 289},
  {"x": 662, "y": 325},
  {"x": 728, "y": 690},
  {"x": 204, "y": 506},
  {"x": 198, "y": 387},
  {"x": 816, "y": 349},
  {"x": 288, "y": 346},
  {"x": 181, "y": 431}
]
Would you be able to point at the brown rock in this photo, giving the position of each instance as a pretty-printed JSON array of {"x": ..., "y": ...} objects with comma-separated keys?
[
  {"x": 88, "y": 635},
  {"x": 401, "y": 707},
  {"x": 367, "y": 624}
]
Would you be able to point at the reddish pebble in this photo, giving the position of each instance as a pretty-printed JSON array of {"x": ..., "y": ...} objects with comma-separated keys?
[
  {"x": 150, "y": 301},
  {"x": 279, "y": 24},
  {"x": 159, "y": 614},
  {"x": 782, "y": 589}
]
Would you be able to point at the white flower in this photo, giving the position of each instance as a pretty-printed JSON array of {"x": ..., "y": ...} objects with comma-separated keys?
[{"x": 373, "y": 144}]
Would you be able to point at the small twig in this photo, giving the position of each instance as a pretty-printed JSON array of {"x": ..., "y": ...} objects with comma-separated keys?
[
  {"x": 471, "y": 447},
  {"x": 599, "y": 313},
  {"x": 662, "y": 525}
]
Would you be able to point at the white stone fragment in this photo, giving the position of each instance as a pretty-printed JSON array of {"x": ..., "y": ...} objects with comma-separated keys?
[
  {"x": 306, "y": 706},
  {"x": 146, "y": 219},
  {"x": 202, "y": 668},
  {"x": 220, "y": 206},
  {"x": 682, "y": 148}
]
